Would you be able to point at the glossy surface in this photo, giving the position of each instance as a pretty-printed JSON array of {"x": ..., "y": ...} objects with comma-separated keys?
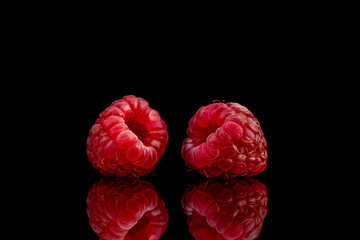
[{"x": 210, "y": 209}]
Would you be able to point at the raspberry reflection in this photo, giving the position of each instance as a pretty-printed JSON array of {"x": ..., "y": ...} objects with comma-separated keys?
[
  {"x": 126, "y": 209},
  {"x": 223, "y": 210}
]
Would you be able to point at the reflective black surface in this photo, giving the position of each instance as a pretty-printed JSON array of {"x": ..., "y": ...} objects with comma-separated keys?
[
  {"x": 215, "y": 209},
  {"x": 175, "y": 203}
]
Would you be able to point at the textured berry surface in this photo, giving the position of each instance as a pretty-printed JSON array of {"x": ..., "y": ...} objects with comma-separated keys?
[
  {"x": 225, "y": 140},
  {"x": 121, "y": 210},
  {"x": 127, "y": 139},
  {"x": 225, "y": 211}
]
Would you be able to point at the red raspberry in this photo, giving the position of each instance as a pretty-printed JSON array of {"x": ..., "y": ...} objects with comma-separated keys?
[
  {"x": 225, "y": 140},
  {"x": 121, "y": 210},
  {"x": 127, "y": 139},
  {"x": 234, "y": 210}
]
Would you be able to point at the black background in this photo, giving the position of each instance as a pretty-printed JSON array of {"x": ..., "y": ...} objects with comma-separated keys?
[
  {"x": 177, "y": 98},
  {"x": 292, "y": 77}
]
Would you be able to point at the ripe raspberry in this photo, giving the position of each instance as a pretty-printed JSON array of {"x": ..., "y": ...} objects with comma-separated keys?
[
  {"x": 127, "y": 139},
  {"x": 225, "y": 140},
  {"x": 234, "y": 210},
  {"x": 118, "y": 209}
]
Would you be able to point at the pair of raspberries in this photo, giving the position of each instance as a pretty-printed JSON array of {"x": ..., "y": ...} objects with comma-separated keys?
[
  {"x": 224, "y": 140},
  {"x": 235, "y": 210}
]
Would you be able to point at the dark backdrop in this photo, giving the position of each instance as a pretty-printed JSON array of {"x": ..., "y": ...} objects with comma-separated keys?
[{"x": 291, "y": 84}]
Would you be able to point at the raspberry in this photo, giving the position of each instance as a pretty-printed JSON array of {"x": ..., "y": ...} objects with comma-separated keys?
[
  {"x": 225, "y": 140},
  {"x": 127, "y": 139},
  {"x": 118, "y": 209},
  {"x": 228, "y": 211}
]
